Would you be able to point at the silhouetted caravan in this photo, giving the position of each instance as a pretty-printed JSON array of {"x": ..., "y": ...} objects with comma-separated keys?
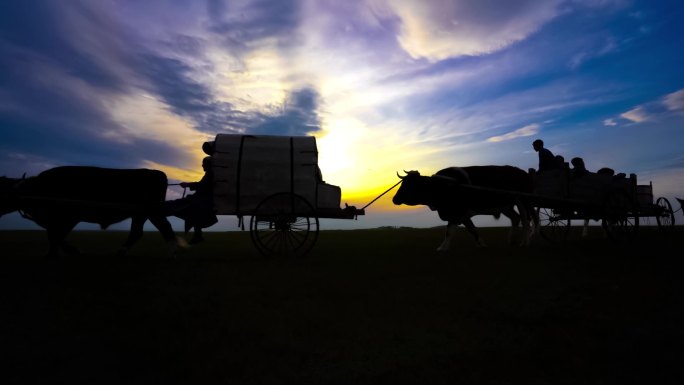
[
  {"x": 459, "y": 193},
  {"x": 276, "y": 181},
  {"x": 59, "y": 198}
]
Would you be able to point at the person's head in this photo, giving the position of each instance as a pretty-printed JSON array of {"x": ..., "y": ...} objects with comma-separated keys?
[
  {"x": 206, "y": 163},
  {"x": 209, "y": 148},
  {"x": 560, "y": 159},
  {"x": 538, "y": 144},
  {"x": 578, "y": 163},
  {"x": 606, "y": 171}
]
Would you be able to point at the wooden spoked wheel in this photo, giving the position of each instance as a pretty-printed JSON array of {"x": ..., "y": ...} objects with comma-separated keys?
[
  {"x": 553, "y": 225},
  {"x": 284, "y": 224},
  {"x": 665, "y": 215},
  {"x": 620, "y": 221}
]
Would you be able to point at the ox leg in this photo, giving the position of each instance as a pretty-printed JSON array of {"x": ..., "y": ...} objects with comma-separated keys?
[
  {"x": 134, "y": 234},
  {"x": 524, "y": 216},
  {"x": 527, "y": 224},
  {"x": 450, "y": 231},
  {"x": 166, "y": 230},
  {"x": 515, "y": 221},
  {"x": 470, "y": 226},
  {"x": 534, "y": 217},
  {"x": 56, "y": 236}
]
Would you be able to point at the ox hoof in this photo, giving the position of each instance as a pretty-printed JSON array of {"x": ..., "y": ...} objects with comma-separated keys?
[{"x": 182, "y": 243}]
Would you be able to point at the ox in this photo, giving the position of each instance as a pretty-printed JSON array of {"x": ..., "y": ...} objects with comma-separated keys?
[
  {"x": 60, "y": 198},
  {"x": 444, "y": 192}
]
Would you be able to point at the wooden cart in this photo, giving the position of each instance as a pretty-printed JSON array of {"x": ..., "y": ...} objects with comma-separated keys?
[
  {"x": 276, "y": 181},
  {"x": 617, "y": 201}
]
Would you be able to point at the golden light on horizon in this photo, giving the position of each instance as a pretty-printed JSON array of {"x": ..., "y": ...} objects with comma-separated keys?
[{"x": 363, "y": 161}]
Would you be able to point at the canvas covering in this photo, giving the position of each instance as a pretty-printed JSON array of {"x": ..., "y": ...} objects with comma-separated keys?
[{"x": 250, "y": 168}]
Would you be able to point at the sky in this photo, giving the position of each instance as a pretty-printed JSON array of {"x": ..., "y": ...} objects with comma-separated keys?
[{"x": 384, "y": 86}]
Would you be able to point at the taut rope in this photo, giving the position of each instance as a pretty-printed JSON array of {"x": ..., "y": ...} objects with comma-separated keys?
[{"x": 379, "y": 196}]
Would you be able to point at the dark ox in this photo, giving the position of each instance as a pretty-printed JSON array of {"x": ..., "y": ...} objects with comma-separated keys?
[
  {"x": 60, "y": 198},
  {"x": 494, "y": 192}
]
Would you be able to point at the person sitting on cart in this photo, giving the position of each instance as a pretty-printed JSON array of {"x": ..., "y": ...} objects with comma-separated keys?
[
  {"x": 560, "y": 160},
  {"x": 578, "y": 168},
  {"x": 547, "y": 161},
  {"x": 198, "y": 209},
  {"x": 611, "y": 172}
]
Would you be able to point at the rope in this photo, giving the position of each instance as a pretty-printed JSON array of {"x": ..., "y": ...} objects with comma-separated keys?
[
  {"x": 185, "y": 189},
  {"x": 379, "y": 196}
]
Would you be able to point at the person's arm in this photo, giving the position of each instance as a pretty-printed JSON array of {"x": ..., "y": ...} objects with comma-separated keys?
[
  {"x": 191, "y": 185},
  {"x": 206, "y": 183}
]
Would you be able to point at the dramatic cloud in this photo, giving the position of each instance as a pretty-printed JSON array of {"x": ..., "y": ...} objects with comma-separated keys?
[
  {"x": 382, "y": 84},
  {"x": 93, "y": 92},
  {"x": 297, "y": 116},
  {"x": 242, "y": 24},
  {"x": 441, "y": 29},
  {"x": 529, "y": 130}
]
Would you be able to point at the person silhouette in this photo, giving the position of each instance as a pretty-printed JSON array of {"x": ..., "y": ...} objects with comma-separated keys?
[
  {"x": 578, "y": 168},
  {"x": 560, "y": 161},
  {"x": 547, "y": 161},
  {"x": 198, "y": 209}
]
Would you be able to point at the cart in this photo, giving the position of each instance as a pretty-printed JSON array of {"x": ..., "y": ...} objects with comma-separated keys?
[
  {"x": 276, "y": 181},
  {"x": 617, "y": 201}
]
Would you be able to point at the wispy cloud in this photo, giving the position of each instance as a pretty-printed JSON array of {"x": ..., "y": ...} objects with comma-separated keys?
[
  {"x": 437, "y": 30},
  {"x": 675, "y": 101},
  {"x": 636, "y": 115},
  {"x": 669, "y": 105},
  {"x": 610, "y": 122},
  {"x": 528, "y": 130}
]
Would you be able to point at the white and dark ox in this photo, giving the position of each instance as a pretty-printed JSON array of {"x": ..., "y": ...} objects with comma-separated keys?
[
  {"x": 459, "y": 193},
  {"x": 59, "y": 198}
]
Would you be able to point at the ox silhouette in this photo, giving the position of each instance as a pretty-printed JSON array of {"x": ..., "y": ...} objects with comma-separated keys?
[
  {"x": 459, "y": 193},
  {"x": 59, "y": 198}
]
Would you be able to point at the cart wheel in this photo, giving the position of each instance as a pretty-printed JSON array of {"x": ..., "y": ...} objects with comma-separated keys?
[
  {"x": 553, "y": 226},
  {"x": 284, "y": 224},
  {"x": 620, "y": 221},
  {"x": 665, "y": 215}
]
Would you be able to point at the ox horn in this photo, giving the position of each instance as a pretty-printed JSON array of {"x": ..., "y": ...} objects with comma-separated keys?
[{"x": 401, "y": 177}]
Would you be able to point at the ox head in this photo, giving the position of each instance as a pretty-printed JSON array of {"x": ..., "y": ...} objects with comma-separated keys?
[
  {"x": 8, "y": 195},
  {"x": 413, "y": 189}
]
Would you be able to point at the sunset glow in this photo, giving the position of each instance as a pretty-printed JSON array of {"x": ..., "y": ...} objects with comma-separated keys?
[{"x": 384, "y": 85}]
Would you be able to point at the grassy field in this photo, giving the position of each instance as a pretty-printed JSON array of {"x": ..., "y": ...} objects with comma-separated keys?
[{"x": 365, "y": 307}]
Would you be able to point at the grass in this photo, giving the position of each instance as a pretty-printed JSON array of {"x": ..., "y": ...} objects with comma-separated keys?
[{"x": 366, "y": 307}]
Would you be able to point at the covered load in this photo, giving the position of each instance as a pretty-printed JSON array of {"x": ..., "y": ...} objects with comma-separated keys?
[{"x": 250, "y": 168}]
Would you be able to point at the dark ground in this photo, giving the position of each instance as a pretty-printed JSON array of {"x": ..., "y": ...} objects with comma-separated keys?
[{"x": 366, "y": 307}]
